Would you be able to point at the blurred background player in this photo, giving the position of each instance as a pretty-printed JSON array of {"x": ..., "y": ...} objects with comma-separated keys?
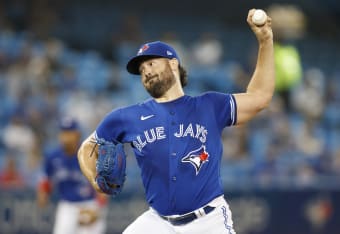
[{"x": 79, "y": 209}]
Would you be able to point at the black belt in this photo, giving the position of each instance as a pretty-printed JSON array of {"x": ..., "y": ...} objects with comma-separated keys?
[{"x": 187, "y": 218}]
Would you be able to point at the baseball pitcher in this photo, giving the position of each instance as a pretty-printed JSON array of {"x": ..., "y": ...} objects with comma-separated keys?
[{"x": 176, "y": 139}]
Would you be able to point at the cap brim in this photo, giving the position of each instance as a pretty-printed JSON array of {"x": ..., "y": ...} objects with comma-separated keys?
[{"x": 134, "y": 63}]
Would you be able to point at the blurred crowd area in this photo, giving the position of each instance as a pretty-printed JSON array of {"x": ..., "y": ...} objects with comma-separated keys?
[{"x": 293, "y": 144}]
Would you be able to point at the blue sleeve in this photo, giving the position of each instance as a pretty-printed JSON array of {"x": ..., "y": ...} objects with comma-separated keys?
[
  {"x": 111, "y": 128},
  {"x": 224, "y": 107}
]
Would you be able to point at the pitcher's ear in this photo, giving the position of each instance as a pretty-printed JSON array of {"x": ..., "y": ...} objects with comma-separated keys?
[{"x": 174, "y": 64}]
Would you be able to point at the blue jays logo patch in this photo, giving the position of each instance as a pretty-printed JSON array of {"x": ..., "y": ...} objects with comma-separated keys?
[
  {"x": 142, "y": 49},
  {"x": 197, "y": 158}
]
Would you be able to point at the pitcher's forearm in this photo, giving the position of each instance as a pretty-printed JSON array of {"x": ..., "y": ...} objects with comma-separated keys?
[
  {"x": 263, "y": 80},
  {"x": 87, "y": 157}
]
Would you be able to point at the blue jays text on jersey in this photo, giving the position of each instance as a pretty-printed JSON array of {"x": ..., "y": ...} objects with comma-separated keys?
[
  {"x": 63, "y": 171},
  {"x": 157, "y": 133},
  {"x": 177, "y": 145}
]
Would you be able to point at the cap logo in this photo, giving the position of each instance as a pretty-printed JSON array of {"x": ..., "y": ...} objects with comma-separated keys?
[
  {"x": 168, "y": 52},
  {"x": 142, "y": 49}
]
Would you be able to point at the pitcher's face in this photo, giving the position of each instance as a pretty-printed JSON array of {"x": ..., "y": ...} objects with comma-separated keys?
[{"x": 157, "y": 76}]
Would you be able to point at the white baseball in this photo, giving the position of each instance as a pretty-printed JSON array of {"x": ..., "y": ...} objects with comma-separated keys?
[{"x": 259, "y": 17}]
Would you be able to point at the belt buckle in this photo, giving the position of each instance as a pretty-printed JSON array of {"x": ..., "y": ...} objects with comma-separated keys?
[
  {"x": 187, "y": 218},
  {"x": 200, "y": 212}
]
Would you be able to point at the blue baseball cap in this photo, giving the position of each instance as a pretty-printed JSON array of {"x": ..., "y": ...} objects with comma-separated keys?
[
  {"x": 156, "y": 49},
  {"x": 68, "y": 124}
]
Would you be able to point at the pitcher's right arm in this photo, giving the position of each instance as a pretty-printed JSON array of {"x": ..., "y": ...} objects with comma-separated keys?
[{"x": 87, "y": 157}]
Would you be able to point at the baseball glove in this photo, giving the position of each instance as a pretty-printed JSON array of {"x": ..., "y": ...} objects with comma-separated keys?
[{"x": 110, "y": 167}]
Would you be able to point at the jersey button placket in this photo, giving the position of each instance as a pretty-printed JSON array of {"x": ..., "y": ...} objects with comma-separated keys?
[
  {"x": 173, "y": 159},
  {"x": 173, "y": 202},
  {"x": 172, "y": 113}
]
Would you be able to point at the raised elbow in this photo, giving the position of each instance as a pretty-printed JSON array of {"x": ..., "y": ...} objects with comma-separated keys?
[{"x": 264, "y": 102}]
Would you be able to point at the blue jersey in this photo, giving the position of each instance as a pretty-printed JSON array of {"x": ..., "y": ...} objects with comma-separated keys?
[
  {"x": 177, "y": 145},
  {"x": 63, "y": 171}
]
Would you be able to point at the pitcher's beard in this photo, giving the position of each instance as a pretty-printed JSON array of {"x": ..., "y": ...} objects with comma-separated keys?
[{"x": 159, "y": 87}]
